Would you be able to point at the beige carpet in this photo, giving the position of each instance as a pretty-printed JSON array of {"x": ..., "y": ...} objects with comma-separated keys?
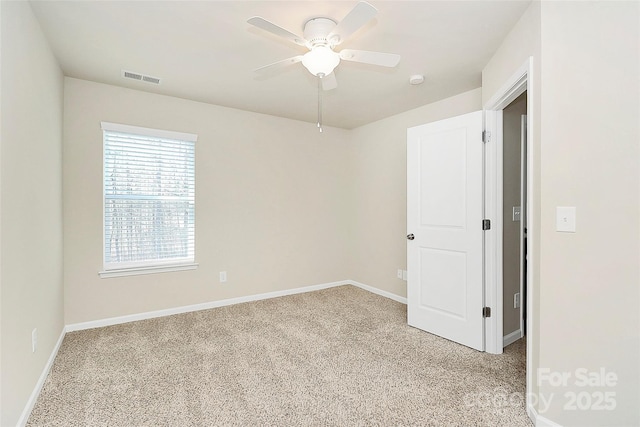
[{"x": 337, "y": 357}]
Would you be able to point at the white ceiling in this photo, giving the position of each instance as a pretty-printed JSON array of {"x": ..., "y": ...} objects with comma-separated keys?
[{"x": 206, "y": 51}]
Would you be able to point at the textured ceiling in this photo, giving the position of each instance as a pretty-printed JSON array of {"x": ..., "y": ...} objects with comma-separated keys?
[{"x": 206, "y": 51}]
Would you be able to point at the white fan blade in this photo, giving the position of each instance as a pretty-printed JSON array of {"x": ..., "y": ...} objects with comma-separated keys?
[
  {"x": 280, "y": 64},
  {"x": 329, "y": 82},
  {"x": 278, "y": 31},
  {"x": 362, "y": 13},
  {"x": 374, "y": 58}
]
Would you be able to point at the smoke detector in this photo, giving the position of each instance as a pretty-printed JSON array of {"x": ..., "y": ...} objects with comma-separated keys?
[{"x": 416, "y": 79}]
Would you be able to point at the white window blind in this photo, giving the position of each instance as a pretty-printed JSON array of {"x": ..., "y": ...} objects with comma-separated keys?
[{"x": 149, "y": 197}]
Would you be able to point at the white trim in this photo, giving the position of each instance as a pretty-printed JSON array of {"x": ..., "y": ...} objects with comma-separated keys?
[
  {"x": 512, "y": 337},
  {"x": 134, "y": 271},
  {"x": 539, "y": 420},
  {"x": 522, "y": 79},
  {"x": 169, "y": 134},
  {"x": 26, "y": 412},
  {"x": 225, "y": 302},
  {"x": 492, "y": 239},
  {"x": 524, "y": 218},
  {"x": 197, "y": 307},
  {"x": 512, "y": 88},
  {"x": 516, "y": 85},
  {"x": 531, "y": 230},
  {"x": 380, "y": 292}
]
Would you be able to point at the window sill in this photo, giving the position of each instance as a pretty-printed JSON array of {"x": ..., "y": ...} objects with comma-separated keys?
[{"x": 120, "y": 272}]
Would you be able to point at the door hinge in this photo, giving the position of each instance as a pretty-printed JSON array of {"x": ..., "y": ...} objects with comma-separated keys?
[
  {"x": 486, "y": 136},
  {"x": 486, "y": 224},
  {"x": 486, "y": 311}
]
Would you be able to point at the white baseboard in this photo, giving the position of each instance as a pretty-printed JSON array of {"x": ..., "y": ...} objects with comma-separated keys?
[
  {"x": 377, "y": 291},
  {"x": 197, "y": 307},
  {"x": 511, "y": 338},
  {"x": 26, "y": 412},
  {"x": 222, "y": 303},
  {"x": 540, "y": 421}
]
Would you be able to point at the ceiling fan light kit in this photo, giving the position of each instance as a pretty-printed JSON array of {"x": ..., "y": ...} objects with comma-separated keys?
[
  {"x": 320, "y": 61},
  {"x": 321, "y": 36}
]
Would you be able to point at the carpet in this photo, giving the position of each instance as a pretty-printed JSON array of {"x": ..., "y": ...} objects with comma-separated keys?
[{"x": 336, "y": 357}]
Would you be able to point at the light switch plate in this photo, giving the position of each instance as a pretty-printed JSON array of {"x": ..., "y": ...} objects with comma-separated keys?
[
  {"x": 566, "y": 219},
  {"x": 516, "y": 214}
]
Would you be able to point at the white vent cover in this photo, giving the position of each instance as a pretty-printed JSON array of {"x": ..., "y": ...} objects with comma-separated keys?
[{"x": 140, "y": 77}]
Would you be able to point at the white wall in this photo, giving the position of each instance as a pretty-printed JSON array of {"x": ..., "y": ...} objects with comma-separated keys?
[
  {"x": 590, "y": 159},
  {"x": 272, "y": 207},
  {"x": 31, "y": 205},
  {"x": 379, "y": 186}
]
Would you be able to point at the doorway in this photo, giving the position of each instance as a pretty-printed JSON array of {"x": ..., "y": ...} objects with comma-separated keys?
[
  {"x": 520, "y": 82},
  {"x": 514, "y": 225},
  {"x": 439, "y": 290}
]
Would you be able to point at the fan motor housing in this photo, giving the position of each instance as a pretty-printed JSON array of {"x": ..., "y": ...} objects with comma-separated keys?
[{"x": 316, "y": 30}]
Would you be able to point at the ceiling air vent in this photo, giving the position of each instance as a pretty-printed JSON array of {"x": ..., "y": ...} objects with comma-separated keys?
[
  {"x": 140, "y": 77},
  {"x": 150, "y": 79}
]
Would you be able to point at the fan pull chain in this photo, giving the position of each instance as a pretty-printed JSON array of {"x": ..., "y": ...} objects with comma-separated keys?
[{"x": 320, "y": 76}]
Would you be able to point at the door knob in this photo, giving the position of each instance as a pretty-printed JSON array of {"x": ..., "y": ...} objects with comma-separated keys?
[{"x": 410, "y": 237}]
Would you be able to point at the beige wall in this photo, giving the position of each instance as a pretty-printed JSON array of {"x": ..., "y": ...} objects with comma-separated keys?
[
  {"x": 590, "y": 159},
  {"x": 31, "y": 202},
  {"x": 522, "y": 42},
  {"x": 277, "y": 208},
  {"x": 379, "y": 223},
  {"x": 585, "y": 111},
  {"x": 511, "y": 196},
  {"x": 272, "y": 206}
]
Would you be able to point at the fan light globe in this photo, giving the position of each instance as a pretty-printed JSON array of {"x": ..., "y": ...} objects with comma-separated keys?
[{"x": 320, "y": 60}]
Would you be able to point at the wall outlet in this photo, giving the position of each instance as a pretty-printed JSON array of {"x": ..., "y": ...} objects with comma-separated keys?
[
  {"x": 34, "y": 340},
  {"x": 516, "y": 300},
  {"x": 399, "y": 273},
  {"x": 404, "y": 275},
  {"x": 223, "y": 277}
]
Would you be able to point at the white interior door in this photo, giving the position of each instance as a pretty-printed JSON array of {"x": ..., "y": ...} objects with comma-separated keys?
[{"x": 444, "y": 215}]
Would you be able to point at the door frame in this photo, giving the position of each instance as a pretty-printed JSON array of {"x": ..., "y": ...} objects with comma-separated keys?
[
  {"x": 518, "y": 83},
  {"x": 524, "y": 219}
]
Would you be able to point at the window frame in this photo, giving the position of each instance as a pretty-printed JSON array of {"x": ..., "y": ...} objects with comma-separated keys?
[{"x": 142, "y": 267}]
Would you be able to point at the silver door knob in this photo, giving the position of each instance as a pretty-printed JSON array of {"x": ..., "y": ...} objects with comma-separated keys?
[{"x": 410, "y": 237}]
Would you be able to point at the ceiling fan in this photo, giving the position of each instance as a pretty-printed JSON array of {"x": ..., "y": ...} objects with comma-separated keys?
[{"x": 321, "y": 36}]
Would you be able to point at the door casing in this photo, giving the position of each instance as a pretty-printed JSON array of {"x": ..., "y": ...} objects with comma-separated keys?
[{"x": 519, "y": 82}]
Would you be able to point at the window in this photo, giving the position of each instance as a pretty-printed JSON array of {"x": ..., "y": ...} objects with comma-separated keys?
[{"x": 149, "y": 200}]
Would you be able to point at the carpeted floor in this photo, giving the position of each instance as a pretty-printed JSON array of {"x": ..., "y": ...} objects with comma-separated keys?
[{"x": 336, "y": 357}]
